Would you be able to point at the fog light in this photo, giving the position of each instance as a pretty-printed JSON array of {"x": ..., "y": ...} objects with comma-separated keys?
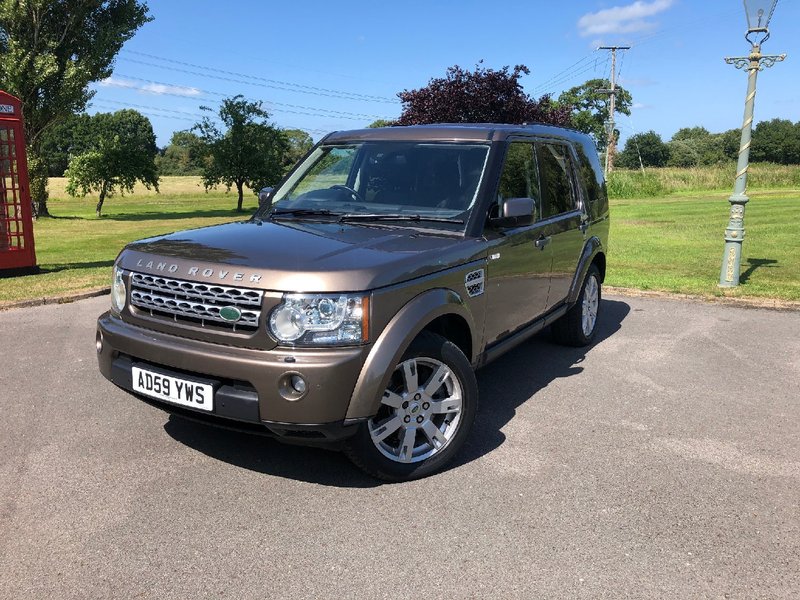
[
  {"x": 298, "y": 384},
  {"x": 292, "y": 386}
]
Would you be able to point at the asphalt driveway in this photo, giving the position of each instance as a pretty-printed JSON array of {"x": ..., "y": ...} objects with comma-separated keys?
[{"x": 664, "y": 461}]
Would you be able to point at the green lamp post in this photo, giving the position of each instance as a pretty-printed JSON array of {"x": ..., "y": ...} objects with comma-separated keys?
[{"x": 759, "y": 14}]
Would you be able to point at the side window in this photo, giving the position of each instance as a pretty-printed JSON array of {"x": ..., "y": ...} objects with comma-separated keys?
[
  {"x": 555, "y": 169},
  {"x": 519, "y": 178},
  {"x": 591, "y": 174}
]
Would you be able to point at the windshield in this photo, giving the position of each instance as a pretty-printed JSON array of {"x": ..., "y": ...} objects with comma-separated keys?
[{"x": 384, "y": 181}]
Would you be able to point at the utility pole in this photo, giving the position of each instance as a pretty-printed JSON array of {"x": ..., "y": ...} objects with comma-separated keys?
[{"x": 612, "y": 92}]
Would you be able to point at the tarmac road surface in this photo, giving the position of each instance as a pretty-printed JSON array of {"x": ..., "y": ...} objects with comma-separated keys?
[{"x": 664, "y": 461}]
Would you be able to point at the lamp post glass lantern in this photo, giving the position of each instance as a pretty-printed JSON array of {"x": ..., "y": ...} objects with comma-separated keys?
[{"x": 759, "y": 14}]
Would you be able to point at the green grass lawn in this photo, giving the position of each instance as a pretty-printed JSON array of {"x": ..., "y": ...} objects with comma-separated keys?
[
  {"x": 675, "y": 244},
  {"x": 75, "y": 250},
  {"x": 671, "y": 243}
]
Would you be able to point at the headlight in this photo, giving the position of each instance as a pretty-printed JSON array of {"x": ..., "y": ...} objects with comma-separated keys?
[
  {"x": 118, "y": 291},
  {"x": 321, "y": 319}
]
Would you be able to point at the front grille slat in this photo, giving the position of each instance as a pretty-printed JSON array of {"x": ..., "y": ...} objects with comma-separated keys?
[
  {"x": 194, "y": 303},
  {"x": 200, "y": 291}
]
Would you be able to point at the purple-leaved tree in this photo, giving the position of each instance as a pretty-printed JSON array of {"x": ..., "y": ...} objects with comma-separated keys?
[{"x": 479, "y": 96}]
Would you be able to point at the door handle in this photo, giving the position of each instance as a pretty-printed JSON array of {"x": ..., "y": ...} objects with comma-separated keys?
[
  {"x": 583, "y": 226},
  {"x": 542, "y": 242}
]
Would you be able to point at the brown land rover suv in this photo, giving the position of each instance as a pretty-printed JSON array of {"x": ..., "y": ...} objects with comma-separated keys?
[{"x": 353, "y": 308}]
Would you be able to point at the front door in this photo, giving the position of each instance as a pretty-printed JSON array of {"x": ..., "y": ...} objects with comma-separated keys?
[{"x": 519, "y": 258}]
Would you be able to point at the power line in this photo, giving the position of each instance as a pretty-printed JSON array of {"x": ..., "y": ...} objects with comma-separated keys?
[
  {"x": 548, "y": 81},
  {"x": 225, "y": 72},
  {"x": 246, "y": 79},
  {"x": 315, "y": 112},
  {"x": 180, "y": 115},
  {"x": 332, "y": 113},
  {"x": 565, "y": 79}
]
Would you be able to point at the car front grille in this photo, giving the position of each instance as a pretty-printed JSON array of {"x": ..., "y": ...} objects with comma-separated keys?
[{"x": 197, "y": 303}]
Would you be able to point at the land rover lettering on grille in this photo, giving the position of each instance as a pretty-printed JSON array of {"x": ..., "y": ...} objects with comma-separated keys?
[{"x": 220, "y": 274}]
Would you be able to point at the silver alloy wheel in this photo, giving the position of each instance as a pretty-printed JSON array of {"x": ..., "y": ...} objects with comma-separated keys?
[
  {"x": 420, "y": 411},
  {"x": 591, "y": 300}
]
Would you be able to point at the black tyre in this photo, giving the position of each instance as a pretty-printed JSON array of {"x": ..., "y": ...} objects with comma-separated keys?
[
  {"x": 425, "y": 415},
  {"x": 578, "y": 326}
]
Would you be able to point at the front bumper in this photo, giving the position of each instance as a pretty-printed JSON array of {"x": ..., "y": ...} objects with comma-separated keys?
[{"x": 247, "y": 381}]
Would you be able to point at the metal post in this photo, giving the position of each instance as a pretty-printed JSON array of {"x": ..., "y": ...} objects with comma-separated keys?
[
  {"x": 734, "y": 233},
  {"x": 612, "y": 92}
]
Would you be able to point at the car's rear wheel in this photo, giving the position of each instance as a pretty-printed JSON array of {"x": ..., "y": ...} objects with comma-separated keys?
[
  {"x": 579, "y": 325},
  {"x": 425, "y": 413}
]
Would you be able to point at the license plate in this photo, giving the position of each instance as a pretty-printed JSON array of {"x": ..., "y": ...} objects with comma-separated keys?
[{"x": 172, "y": 389}]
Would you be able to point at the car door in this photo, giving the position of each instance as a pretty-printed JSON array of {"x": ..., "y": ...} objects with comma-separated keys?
[
  {"x": 562, "y": 212},
  {"x": 519, "y": 261}
]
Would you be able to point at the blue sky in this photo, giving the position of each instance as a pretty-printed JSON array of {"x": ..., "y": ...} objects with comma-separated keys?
[{"x": 323, "y": 66}]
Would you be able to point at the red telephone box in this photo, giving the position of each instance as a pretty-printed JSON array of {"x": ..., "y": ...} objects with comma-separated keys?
[{"x": 16, "y": 221}]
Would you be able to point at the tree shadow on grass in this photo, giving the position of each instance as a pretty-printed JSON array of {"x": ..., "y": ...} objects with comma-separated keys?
[
  {"x": 75, "y": 266},
  {"x": 753, "y": 264},
  {"x": 63, "y": 218},
  {"x": 504, "y": 385},
  {"x": 173, "y": 216},
  {"x": 161, "y": 216}
]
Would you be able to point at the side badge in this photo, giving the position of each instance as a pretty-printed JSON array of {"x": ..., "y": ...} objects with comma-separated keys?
[{"x": 473, "y": 281}]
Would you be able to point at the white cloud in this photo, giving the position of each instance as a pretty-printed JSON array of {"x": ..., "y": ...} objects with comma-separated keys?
[
  {"x": 117, "y": 82},
  {"x": 177, "y": 90},
  {"x": 631, "y": 18},
  {"x": 151, "y": 88}
]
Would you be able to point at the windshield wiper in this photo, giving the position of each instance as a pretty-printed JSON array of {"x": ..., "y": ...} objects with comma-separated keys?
[
  {"x": 396, "y": 217},
  {"x": 301, "y": 212}
]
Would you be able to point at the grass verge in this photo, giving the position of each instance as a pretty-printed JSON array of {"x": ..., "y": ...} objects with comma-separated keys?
[
  {"x": 75, "y": 250},
  {"x": 671, "y": 243},
  {"x": 653, "y": 182},
  {"x": 675, "y": 243}
]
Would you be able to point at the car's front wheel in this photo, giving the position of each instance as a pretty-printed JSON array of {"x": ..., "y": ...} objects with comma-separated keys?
[{"x": 425, "y": 413}]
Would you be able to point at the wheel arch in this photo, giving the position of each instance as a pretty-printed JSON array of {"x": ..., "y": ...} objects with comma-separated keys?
[
  {"x": 441, "y": 311},
  {"x": 593, "y": 254}
]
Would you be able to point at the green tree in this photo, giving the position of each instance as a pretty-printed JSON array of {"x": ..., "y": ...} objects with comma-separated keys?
[
  {"x": 186, "y": 154},
  {"x": 123, "y": 153},
  {"x": 65, "y": 139},
  {"x": 777, "y": 141},
  {"x": 250, "y": 151},
  {"x": 299, "y": 143},
  {"x": 648, "y": 146},
  {"x": 694, "y": 146},
  {"x": 380, "y": 123},
  {"x": 590, "y": 108},
  {"x": 50, "y": 51},
  {"x": 730, "y": 141}
]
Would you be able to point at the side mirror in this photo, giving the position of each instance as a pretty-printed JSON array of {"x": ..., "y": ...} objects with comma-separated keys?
[
  {"x": 515, "y": 212},
  {"x": 264, "y": 196}
]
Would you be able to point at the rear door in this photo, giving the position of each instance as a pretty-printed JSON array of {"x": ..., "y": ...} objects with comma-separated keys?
[
  {"x": 518, "y": 269},
  {"x": 563, "y": 213}
]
